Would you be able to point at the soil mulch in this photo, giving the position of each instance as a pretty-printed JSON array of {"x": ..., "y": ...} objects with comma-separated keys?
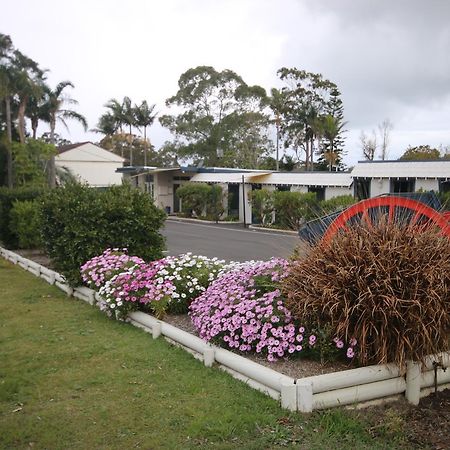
[
  {"x": 292, "y": 367},
  {"x": 426, "y": 426}
]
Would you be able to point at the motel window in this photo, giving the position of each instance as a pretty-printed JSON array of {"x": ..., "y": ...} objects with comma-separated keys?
[
  {"x": 400, "y": 185},
  {"x": 319, "y": 191},
  {"x": 362, "y": 188},
  {"x": 444, "y": 186}
]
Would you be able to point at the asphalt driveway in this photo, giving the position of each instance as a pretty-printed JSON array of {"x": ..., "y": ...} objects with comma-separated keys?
[{"x": 230, "y": 242}]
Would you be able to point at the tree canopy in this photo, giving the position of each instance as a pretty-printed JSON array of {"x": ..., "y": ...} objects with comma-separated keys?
[
  {"x": 420, "y": 152},
  {"x": 222, "y": 119}
]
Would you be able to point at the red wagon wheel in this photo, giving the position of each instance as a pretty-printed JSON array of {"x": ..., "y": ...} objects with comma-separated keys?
[{"x": 396, "y": 209}]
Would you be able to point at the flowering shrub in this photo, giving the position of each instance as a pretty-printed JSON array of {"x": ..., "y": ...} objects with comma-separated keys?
[
  {"x": 244, "y": 309},
  {"x": 190, "y": 276},
  {"x": 98, "y": 270},
  {"x": 140, "y": 287}
]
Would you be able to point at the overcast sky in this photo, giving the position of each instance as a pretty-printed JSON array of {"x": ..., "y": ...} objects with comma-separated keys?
[{"x": 389, "y": 58}]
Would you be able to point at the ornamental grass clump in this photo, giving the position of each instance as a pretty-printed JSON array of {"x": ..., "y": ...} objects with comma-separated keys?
[
  {"x": 190, "y": 275},
  {"x": 386, "y": 286},
  {"x": 140, "y": 287},
  {"x": 100, "y": 269},
  {"x": 243, "y": 309}
]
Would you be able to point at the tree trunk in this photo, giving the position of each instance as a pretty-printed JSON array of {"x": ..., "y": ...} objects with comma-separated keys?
[
  {"x": 145, "y": 145},
  {"x": 21, "y": 116},
  {"x": 34, "y": 126},
  {"x": 52, "y": 165},
  {"x": 9, "y": 166},
  {"x": 131, "y": 148}
]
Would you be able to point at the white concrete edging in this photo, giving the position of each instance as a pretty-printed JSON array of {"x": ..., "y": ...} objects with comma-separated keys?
[{"x": 363, "y": 385}]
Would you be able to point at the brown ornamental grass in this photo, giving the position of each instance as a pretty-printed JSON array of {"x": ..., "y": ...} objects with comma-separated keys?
[{"x": 387, "y": 286}]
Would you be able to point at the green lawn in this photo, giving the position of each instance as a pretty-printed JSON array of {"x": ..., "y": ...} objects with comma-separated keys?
[{"x": 70, "y": 378}]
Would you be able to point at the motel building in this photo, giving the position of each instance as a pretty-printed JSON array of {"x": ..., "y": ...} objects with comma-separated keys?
[{"x": 367, "y": 179}]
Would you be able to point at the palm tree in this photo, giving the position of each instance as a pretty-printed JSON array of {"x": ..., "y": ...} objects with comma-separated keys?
[
  {"x": 6, "y": 49},
  {"x": 54, "y": 111},
  {"x": 144, "y": 117},
  {"x": 129, "y": 119},
  {"x": 116, "y": 111},
  {"x": 28, "y": 81},
  {"x": 106, "y": 125}
]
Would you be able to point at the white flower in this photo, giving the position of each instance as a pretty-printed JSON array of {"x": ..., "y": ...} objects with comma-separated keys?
[{"x": 183, "y": 295}]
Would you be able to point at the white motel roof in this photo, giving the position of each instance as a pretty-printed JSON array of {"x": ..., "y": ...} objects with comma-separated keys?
[
  {"x": 402, "y": 169},
  {"x": 278, "y": 178}
]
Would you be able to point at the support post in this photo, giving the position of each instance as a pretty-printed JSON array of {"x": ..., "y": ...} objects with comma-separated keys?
[
  {"x": 413, "y": 379},
  {"x": 156, "y": 330},
  {"x": 304, "y": 396},
  {"x": 289, "y": 396},
  {"x": 208, "y": 356}
]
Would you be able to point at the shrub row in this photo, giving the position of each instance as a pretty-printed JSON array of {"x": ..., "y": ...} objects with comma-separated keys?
[
  {"x": 78, "y": 222},
  {"x": 9, "y": 235},
  {"x": 290, "y": 210}
]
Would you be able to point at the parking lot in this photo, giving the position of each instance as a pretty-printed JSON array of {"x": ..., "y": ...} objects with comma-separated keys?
[{"x": 231, "y": 242}]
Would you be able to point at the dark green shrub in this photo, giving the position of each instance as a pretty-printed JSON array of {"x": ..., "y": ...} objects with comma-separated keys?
[
  {"x": 444, "y": 197},
  {"x": 262, "y": 205},
  {"x": 7, "y": 198},
  {"x": 194, "y": 198},
  {"x": 79, "y": 222},
  {"x": 214, "y": 205},
  {"x": 336, "y": 203},
  {"x": 293, "y": 208},
  {"x": 25, "y": 223}
]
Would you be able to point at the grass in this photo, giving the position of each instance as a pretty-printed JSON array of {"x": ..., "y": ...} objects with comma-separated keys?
[{"x": 70, "y": 378}]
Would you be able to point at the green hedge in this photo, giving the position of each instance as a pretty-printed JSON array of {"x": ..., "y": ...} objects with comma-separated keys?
[
  {"x": 201, "y": 200},
  {"x": 25, "y": 223},
  {"x": 8, "y": 196},
  {"x": 79, "y": 222}
]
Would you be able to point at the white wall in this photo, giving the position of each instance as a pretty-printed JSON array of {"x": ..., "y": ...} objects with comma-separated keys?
[
  {"x": 98, "y": 174},
  {"x": 427, "y": 185},
  {"x": 336, "y": 191},
  {"x": 379, "y": 186},
  {"x": 92, "y": 164}
]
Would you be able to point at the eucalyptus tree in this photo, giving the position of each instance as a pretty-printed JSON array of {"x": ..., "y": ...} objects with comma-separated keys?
[
  {"x": 306, "y": 97},
  {"x": 54, "y": 110},
  {"x": 144, "y": 117},
  {"x": 212, "y": 107}
]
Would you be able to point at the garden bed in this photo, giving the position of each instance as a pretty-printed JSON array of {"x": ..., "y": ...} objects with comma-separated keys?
[
  {"x": 348, "y": 387},
  {"x": 295, "y": 367}
]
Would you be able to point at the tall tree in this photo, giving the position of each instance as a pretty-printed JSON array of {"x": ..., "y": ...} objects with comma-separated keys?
[
  {"x": 214, "y": 106},
  {"x": 330, "y": 130},
  {"x": 368, "y": 145},
  {"x": 6, "y": 92},
  {"x": 144, "y": 117},
  {"x": 277, "y": 104},
  {"x": 28, "y": 81},
  {"x": 384, "y": 129},
  {"x": 307, "y": 97},
  {"x": 54, "y": 107}
]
